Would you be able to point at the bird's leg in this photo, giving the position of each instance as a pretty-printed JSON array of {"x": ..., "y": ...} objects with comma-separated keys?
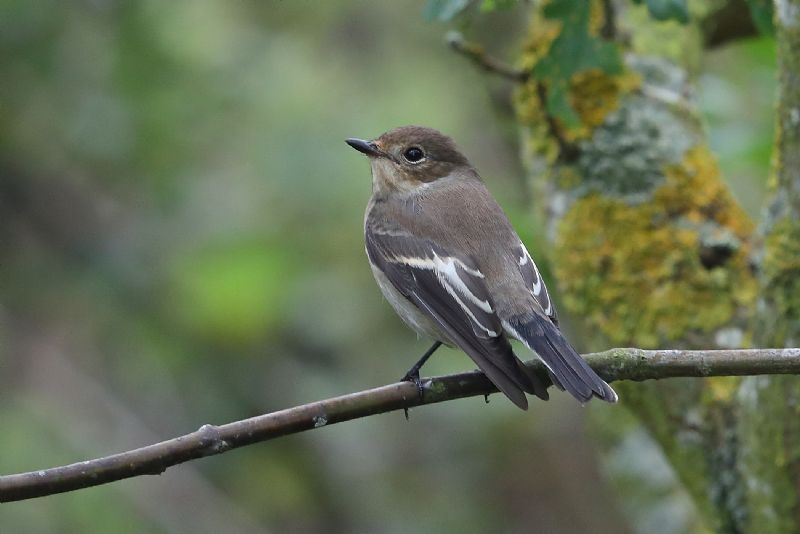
[{"x": 413, "y": 374}]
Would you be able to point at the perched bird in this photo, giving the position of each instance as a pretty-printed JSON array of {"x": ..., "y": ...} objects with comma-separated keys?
[{"x": 447, "y": 259}]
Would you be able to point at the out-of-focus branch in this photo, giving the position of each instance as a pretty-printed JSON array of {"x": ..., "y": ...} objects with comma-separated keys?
[
  {"x": 615, "y": 364},
  {"x": 475, "y": 53},
  {"x": 609, "y": 28},
  {"x": 731, "y": 22}
]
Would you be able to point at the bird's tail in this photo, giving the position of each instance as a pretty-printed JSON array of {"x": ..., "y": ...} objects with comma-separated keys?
[{"x": 566, "y": 368}]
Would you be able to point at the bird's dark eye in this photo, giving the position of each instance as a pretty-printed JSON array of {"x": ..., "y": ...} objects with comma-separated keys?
[{"x": 414, "y": 154}]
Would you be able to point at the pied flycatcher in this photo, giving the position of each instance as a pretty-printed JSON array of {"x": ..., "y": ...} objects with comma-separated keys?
[{"x": 447, "y": 259}]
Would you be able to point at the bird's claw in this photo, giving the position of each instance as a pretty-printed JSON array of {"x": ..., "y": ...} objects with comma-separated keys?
[{"x": 413, "y": 377}]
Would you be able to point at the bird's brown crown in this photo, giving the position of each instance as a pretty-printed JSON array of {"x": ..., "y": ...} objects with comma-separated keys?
[
  {"x": 415, "y": 154},
  {"x": 432, "y": 146}
]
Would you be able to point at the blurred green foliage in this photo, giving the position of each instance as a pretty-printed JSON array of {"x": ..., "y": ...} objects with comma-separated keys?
[
  {"x": 762, "y": 13},
  {"x": 575, "y": 50},
  {"x": 443, "y": 10},
  {"x": 213, "y": 279},
  {"x": 667, "y": 9},
  {"x": 736, "y": 92},
  {"x": 180, "y": 244}
]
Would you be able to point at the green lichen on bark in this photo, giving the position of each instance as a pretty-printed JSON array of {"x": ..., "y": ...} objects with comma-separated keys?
[
  {"x": 781, "y": 272},
  {"x": 651, "y": 232},
  {"x": 769, "y": 422},
  {"x": 769, "y": 447},
  {"x": 625, "y": 154},
  {"x": 671, "y": 40},
  {"x": 592, "y": 93},
  {"x": 651, "y": 250},
  {"x": 781, "y": 261},
  {"x": 636, "y": 271}
]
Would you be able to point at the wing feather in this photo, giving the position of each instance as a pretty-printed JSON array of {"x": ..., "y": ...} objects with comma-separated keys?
[
  {"x": 535, "y": 283},
  {"x": 451, "y": 291}
]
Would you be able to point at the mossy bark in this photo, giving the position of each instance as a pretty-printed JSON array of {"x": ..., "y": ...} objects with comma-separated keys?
[
  {"x": 651, "y": 250},
  {"x": 769, "y": 423}
]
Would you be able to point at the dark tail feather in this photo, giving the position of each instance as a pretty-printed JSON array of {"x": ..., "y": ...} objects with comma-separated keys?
[
  {"x": 567, "y": 369},
  {"x": 511, "y": 376},
  {"x": 509, "y": 385},
  {"x": 536, "y": 386},
  {"x": 497, "y": 361},
  {"x": 515, "y": 371}
]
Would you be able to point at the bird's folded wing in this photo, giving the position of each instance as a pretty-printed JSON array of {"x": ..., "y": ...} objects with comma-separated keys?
[
  {"x": 567, "y": 368},
  {"x": 535, "y": 283},
  {"x": 450, "y": 290}
]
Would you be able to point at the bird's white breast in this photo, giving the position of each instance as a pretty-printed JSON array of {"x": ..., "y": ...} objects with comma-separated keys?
[{"x": 407, "y": 311}]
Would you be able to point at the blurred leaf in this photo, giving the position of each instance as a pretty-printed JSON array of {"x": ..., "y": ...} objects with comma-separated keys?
[
  {"x": 233, "y": 293},
  {"x": 762, "y": 11},
  {"x": 443, "y": 10},
  {"x": 573, "y": 51},
  {"x": 494, "y": 5},
  {"x": 667, "y": 9}
]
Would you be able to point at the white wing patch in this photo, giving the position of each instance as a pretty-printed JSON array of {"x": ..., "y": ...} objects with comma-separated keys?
[
  {"x": 537, "y": 286},
  {"x": 523, "y": 260},
  {"x": 447, "y": 274}
]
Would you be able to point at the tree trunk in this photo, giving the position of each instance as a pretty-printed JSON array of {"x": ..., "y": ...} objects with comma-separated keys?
[
  {"x": 651, "y": 250},
  {"x": 769, "y": 407}
]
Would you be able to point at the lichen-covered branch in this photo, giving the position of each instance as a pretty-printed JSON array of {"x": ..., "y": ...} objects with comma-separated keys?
[{"x": 613, "y": 365}]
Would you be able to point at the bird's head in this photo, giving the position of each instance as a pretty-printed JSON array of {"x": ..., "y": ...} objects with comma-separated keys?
[{"x": 409, "y": 157}]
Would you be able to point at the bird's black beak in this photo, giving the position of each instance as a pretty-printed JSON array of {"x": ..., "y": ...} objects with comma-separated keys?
[{"x": 366, "y": 147}]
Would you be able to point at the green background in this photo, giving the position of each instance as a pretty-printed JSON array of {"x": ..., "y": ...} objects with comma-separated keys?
[{"x": 181, "y": 243}]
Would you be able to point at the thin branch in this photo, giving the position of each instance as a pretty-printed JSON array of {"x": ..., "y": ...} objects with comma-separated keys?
[
  {"x": 475, "y": 53},
  {"x": 567, "y": 152},
  {"x": 733, "y": 21},
  {"x": 615, "y": 364},
  {"x": 609, "y": 29}
]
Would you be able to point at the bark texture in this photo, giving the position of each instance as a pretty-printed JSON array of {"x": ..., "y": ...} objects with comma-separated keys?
[
  {"x": 651, "y": 249},
  {"x": 769, "y": 422}
]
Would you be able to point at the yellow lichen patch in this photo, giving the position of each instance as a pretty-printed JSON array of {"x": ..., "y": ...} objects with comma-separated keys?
[
  {"x": 781, "y": 269},
  {"x": 597, "y": 17},
  {"x": 542, "y": 34},
  {"x": 528, "y": 103},
  {"x": 532, "y": 116},
  {"x": 594, "y": 94},
  {"x": 568, "y": 177},
  {"x": 634, "y": 271},
  {"x": 783, "y": 251},
  {"x": 670, "y": 40},
  {"x": 694, "y": 188}
]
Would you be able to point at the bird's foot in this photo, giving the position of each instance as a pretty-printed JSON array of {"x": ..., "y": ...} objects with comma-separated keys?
[
  {"x": 413, "y": 377},
  {"x": 413, "y": 374}
]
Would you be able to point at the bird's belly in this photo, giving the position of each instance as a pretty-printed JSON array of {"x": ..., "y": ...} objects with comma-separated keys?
[{"x": 408, "y": 312}]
